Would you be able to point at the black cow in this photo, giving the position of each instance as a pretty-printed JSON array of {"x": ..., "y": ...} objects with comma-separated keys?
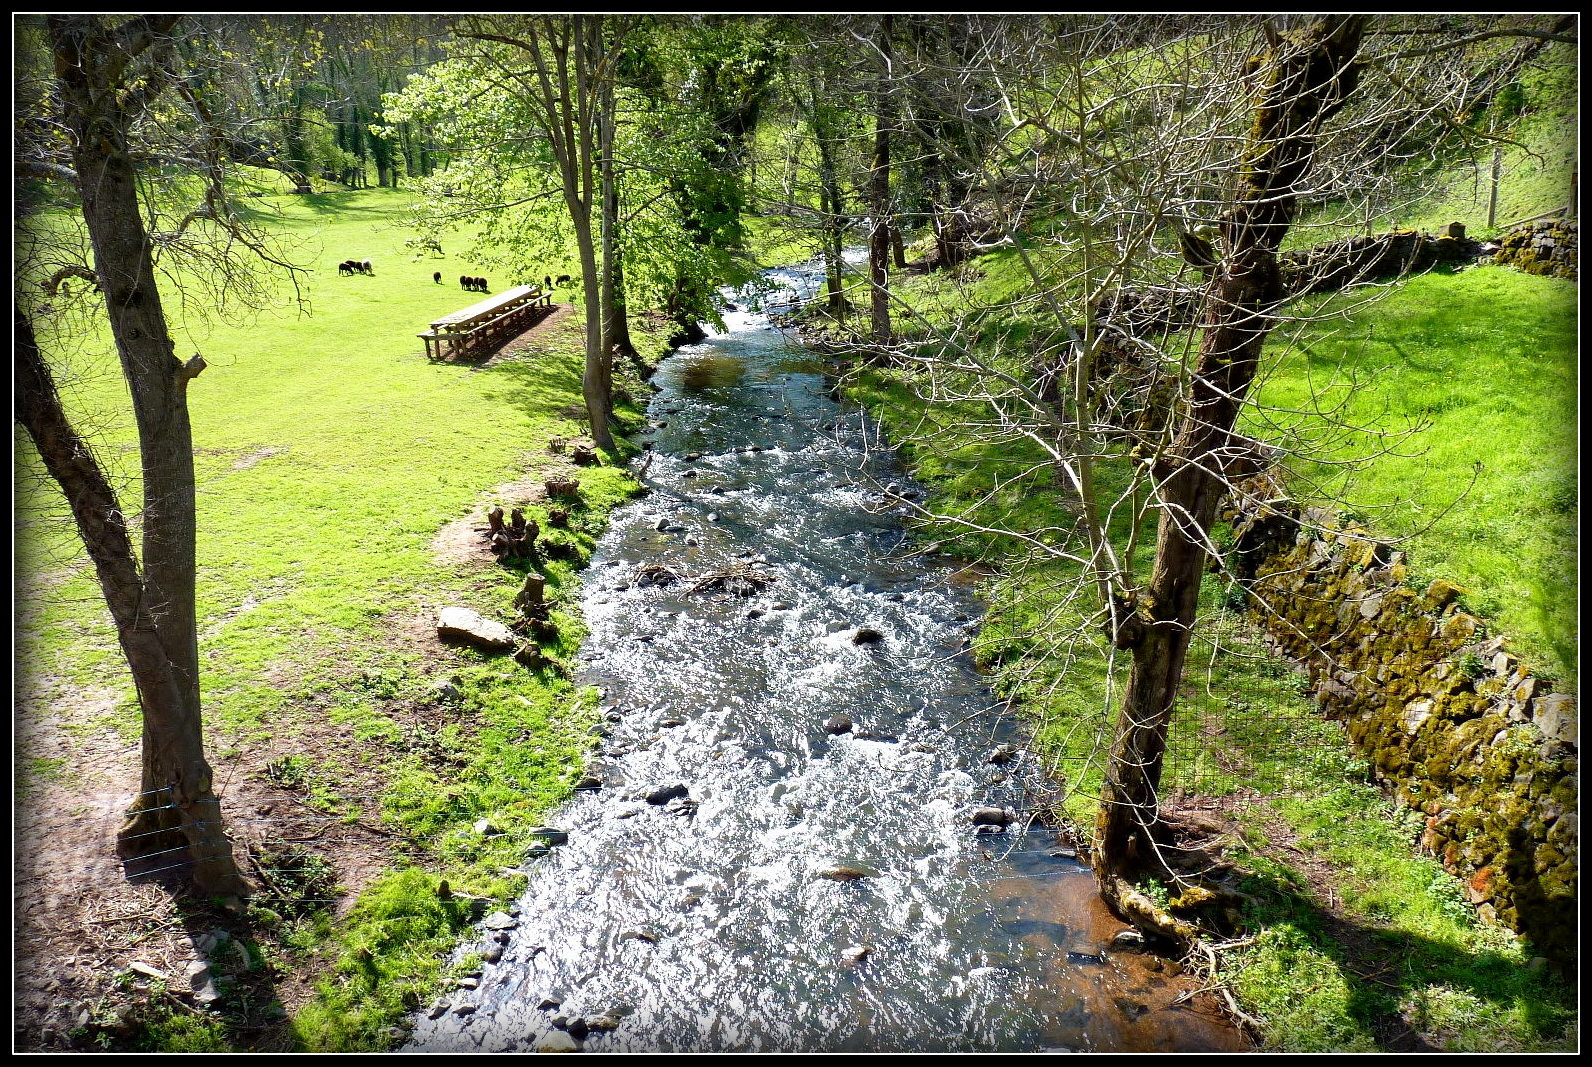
[
  {"x": 437, "y": 277},
  {"x": 347, "y": 266},
  {"x": 564, "y": 279}
]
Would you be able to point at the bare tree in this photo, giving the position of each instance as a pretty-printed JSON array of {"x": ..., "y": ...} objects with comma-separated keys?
[{"x": 1169, "y": 178}]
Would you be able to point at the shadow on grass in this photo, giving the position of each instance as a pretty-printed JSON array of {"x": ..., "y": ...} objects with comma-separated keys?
[{"x": 1384, "y": 969}]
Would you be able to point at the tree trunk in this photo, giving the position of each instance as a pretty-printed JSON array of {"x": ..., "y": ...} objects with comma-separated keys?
[
  {"x": 616, "y": 323},
  {"x": 1309, "y": 78},
  {"x": 156, "y": 616},
  {"x": 830, "y": 203},
  {"x": 597, "y": 376},
  {"x": 879, "y": 193}
]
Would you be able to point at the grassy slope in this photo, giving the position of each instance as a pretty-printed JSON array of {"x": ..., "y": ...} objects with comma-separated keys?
[
  {"x": 1481, "y": 366},
  {"x": 329, "y": 453},
  {"x": 1486, "y": 356}
]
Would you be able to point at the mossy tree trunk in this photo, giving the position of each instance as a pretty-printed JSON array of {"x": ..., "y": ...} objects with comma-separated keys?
[{"x": 1307, "y": 75}]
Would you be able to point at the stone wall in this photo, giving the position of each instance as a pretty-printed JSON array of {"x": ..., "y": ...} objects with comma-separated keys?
[
  {"x": 1451, "y": 721},
  {"x": 1546, "y": 246}
]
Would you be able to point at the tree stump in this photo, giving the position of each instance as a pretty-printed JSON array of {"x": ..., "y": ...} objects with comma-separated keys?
[
  {"x": 583, "y": 456},
  {"x": 557, "y": 445},
  {"x": 558, "y": 517},
  {"x": 562, "y": 487},
  {"x": 515, "y": 540},
  {"x": 531, "y": 600}
]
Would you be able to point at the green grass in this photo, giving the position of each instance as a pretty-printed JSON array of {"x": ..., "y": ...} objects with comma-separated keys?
[
  {"x": 329, "y": 453},
  {"x": 1474, "y": 375},
  {"x": 1245, "y": 723},
  {"x": 1406, "y": 953}
]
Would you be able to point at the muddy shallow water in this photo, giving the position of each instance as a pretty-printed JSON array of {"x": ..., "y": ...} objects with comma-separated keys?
[{"x": 747, "y": 879}]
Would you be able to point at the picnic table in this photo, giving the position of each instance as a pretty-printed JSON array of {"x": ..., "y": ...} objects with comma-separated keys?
[{"x": 485, "y": 325}]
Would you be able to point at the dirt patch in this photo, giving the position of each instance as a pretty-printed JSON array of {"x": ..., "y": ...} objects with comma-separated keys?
[
  {"x": 532, "y": 342},
  {"x": 248, "y": 460},
  {"x": 463, "y": 542}
]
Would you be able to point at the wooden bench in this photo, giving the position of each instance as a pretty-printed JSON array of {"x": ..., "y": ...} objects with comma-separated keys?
[{"x": 484, "y": 326}]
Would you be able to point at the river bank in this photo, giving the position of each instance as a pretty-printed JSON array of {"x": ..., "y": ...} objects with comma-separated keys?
[{"x": 810, "y": 829}]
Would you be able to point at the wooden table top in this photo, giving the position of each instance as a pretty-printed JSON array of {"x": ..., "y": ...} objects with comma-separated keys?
[{"x": 487, "y": 308}]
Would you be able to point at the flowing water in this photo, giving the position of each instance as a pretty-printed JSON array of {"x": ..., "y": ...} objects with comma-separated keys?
[{"x": 714, "y": 916}]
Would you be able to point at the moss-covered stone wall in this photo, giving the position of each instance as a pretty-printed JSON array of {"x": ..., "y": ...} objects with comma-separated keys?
[
  {"x": 1454, "y": 724},
  {"x": 1546, "y": 246}
]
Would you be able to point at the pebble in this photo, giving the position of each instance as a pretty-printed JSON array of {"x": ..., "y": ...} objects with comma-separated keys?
[
  {"x": 1127, "y": 940},
  {"x": 1002, "y": 754},
  {"x": 664, "y": 794}
]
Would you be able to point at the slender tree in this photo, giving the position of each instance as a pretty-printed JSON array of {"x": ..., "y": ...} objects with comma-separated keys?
[{"x": 108, "y": 75}]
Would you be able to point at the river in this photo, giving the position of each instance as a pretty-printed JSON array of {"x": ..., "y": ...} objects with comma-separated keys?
[{"x": 794, "y": 884}]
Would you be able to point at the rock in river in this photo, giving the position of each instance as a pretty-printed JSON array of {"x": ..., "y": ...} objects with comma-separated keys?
[
  {"x": 991, "y": 817},
  {"x": 664, "y": 794},
  {"x": 840, "y": 872},
  {"x": 558, "y": 1041},
  {"x": 839, "y": 724},
  {"x": 867, "y": 635},
  {"x": 462, "y": 624}
]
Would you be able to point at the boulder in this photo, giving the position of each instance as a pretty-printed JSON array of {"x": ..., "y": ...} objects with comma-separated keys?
[
  {"x": 991, "y": 817},
  {"x": 462, "y": 624},
  {"x": 839, "y": 724}
]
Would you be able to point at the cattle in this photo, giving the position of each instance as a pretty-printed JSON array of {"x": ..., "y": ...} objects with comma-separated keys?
[
  {"x": 481, "y": 286},
  {"x": 464, "y": 281},
  {"x": 347, "y": 266},
  {"x": 564, "y": 279},
  {"x": 547, "y": 282},
  {"x": 437, "y": 277},
  {"x": 366, "y": 267}
]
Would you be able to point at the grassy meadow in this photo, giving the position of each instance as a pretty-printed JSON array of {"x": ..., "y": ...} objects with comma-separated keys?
[{"x": 329, "y": 455}]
